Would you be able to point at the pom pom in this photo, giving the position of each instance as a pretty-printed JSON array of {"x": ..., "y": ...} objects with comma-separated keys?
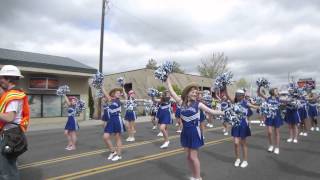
[
  {"x": 262, "y": 82},
  {"x": 153, "y": 92},
  {"x": 268, "y": 110},
  {"x": 99, "y": 93},
  {"x": 120, "y": 81},
  {"x": 131, "y": 104},
  {"x": 257, "y": 100},
  {"x": 63, "y": 90},
  {"x": 223, "y": 80},
  {"x": 233, "y": 113},
  {"x": 97, "y": 80},
  {"x": 80, "y": 106},
  {"x": 163, "y": 71}
]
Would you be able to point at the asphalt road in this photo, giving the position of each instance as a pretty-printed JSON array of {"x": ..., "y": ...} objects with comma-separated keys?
[{"x": 143, "y": 159}]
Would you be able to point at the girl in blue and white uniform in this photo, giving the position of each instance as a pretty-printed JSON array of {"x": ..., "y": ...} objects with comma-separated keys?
[
  {"x": 292, "y": 117},
  {"x": 241, "y": 132},
  {"x": 131, "y": 115},
  {"x": 115, "y": 125},
  {"x": 154, "y": 110},
  {"x": 274, "y": 122},
  {"x": 313, "y": 111},
  {"x": 303, "y": 114},
  {"x": 72, "y": 125},
  {"x": 191, "y": 135},
  {"x": 164, "y": 117}
]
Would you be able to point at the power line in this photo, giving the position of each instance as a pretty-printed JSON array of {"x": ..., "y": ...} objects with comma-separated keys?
[{"x": 152, "y": 27}]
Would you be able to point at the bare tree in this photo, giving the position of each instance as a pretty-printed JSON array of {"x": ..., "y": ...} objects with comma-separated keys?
[
  {"x": 177, "y": 67},
  {"x": 214, "y": 66},
  {"x": 152, "y": 64}
]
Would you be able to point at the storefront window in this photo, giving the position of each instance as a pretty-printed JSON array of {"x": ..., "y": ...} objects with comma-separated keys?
[
  {"x": 51, "y": 106},
  {"x": 35, "y": 105}
]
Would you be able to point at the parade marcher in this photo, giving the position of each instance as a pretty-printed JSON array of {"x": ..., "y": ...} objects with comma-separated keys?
[
  {"x": 130, "y": 115},
  {"x": 14, "y": 117},
  {"x": 191, "y": 135},
  {"x": 153, "y": 114},
  {"x": 72, "y": 125},
  {"x": 164, "y": 117},
  {"x": 303, "y": 114},
  {"x": 241, "y": 132},
  {"x": 313, "y": 111},
  {"x": 178, "y": 118},
  {"x": 115, "y": 125},
  {"x": 274, "y": 122},
  {"x": 292, "y": 117}
]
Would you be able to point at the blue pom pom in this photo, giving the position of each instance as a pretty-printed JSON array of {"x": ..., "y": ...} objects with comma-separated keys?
[
  {"x": 262, "y": 82},
  {"x": 268, "y": 110},
  {"x": 131, "y": 104},
  {"x": 80, "y": 106},
  {"x": 223, "y": 80},
  {"x": 99, "y": 93},
  {"x": 120, "y": 81},
  {"x": 97, "y": 80},
  {"x": 233, "y": 113},
  {"x": 163, "y": 71},
  {"x": 63, "y": 90},
  {"x": 153, "y": 92}
]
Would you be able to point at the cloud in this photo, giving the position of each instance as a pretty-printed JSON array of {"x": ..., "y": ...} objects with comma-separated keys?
[{"x": 261, "y": 38}]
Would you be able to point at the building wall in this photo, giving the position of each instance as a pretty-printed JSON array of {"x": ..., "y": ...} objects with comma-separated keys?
[
  {"x": 78, "y": 86},
  {"x": 143, "y": 79}
]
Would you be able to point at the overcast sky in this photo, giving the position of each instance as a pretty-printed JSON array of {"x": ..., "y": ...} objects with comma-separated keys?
[{"x": 261, "y": 37}]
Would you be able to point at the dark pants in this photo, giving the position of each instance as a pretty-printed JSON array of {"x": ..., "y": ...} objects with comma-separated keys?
[{"x": 8, "y": 166}]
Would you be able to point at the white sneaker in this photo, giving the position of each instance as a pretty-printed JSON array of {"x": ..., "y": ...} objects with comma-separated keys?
[
  {"x": 301, "y": 133},
  {"x": 312, "y": 128},
  {"x": 305, "y": 134},
  {"x": 224, "y": 130},
  {"x": 111, "y": 155},
  {"x": 116, "y": 158},
  {"x": 128, "y": 139},
  {"x": 317, "y": 129},
  {"x": 237, "y": 163},
  {"x": 208, "y": 125},
  {"x": 244, "y": 164},
  {"x": 178, "y": 131},
  {"x": 226, "y": 133},
  {"x": 276, "y": 150},
  {"x": 154, "y": 127},
  {"x": 165, "y": 145},
  {"x": 132, "y": 139},
  {"x": 295, "y": 141},
  {"x": 263, "y": 124},
  {"x": 160, "y": 134},
  {"x": 289, "y": 140},
  {"x": 211, "y": 125},
  {"x": 270, "y": 149}
]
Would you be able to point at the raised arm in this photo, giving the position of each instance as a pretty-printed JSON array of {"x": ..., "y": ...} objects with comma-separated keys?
[
  {"x": 227, "y": 95},
  {"x": 210, "y": 111},
  {"x": 124, "y": 93},
  {"x": 67, "y": 100},
  {"x": 106, "y": 94},
  {"x": 172, "y": 92},
  {"x": 260, "y": 94}
]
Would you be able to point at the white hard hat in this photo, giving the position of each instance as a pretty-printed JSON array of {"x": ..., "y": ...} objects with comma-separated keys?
[
  {"x": 240, "y": 91},
  {"x": 10, "y": 70}
]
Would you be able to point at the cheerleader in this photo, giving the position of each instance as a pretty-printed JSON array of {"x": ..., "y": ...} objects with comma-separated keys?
[
  {"x": 224, "y": 101},
  {"x": 303, "y": 114},
  {"x": 241, "y": 132},
  {"x": 178, "y": 118},
  {"x": 115, "y": 125},
  {"x": 153, "y": 114},
  {"x": 292, "y": 117},
  {"x": 72, "y": 125},
  {"x": 130, "y": 115},
  {"x": 273, "y": 123},
  {"x": 164, "y": 117},
  {"x": 191, "y": 135},
  {"x": 202, "y": 114},
  {"x": 313, "y": 111}
]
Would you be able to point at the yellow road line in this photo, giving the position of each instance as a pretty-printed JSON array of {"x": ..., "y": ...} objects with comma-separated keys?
[
  {"x": 90, "y": 153},
  {"x": 140, "y": 160}
]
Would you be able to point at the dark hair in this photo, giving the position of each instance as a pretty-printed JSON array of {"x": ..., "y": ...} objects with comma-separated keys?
[{"x": 272, "y": 91}]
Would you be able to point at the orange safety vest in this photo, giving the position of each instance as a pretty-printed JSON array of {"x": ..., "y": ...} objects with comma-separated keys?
[{"x": 10, "y": 96}]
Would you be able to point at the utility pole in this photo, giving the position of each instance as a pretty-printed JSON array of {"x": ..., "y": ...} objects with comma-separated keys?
[{"x": 104, "y": 6}]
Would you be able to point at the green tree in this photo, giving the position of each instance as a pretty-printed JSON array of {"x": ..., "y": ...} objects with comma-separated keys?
[
  {"x": 177, "y": 67},
  {"x": 177, "y": 89},
  {"x": 161, "y": 88},
  {"x": 215, "y": 65}
]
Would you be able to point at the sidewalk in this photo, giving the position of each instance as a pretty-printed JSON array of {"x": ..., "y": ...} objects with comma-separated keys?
[{"x": 59, "y": 123}]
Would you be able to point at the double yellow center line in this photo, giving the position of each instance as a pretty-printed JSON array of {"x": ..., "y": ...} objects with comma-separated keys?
[
  {"x": 91, "y": 153},
  {"x": 106, "y": 168}
]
